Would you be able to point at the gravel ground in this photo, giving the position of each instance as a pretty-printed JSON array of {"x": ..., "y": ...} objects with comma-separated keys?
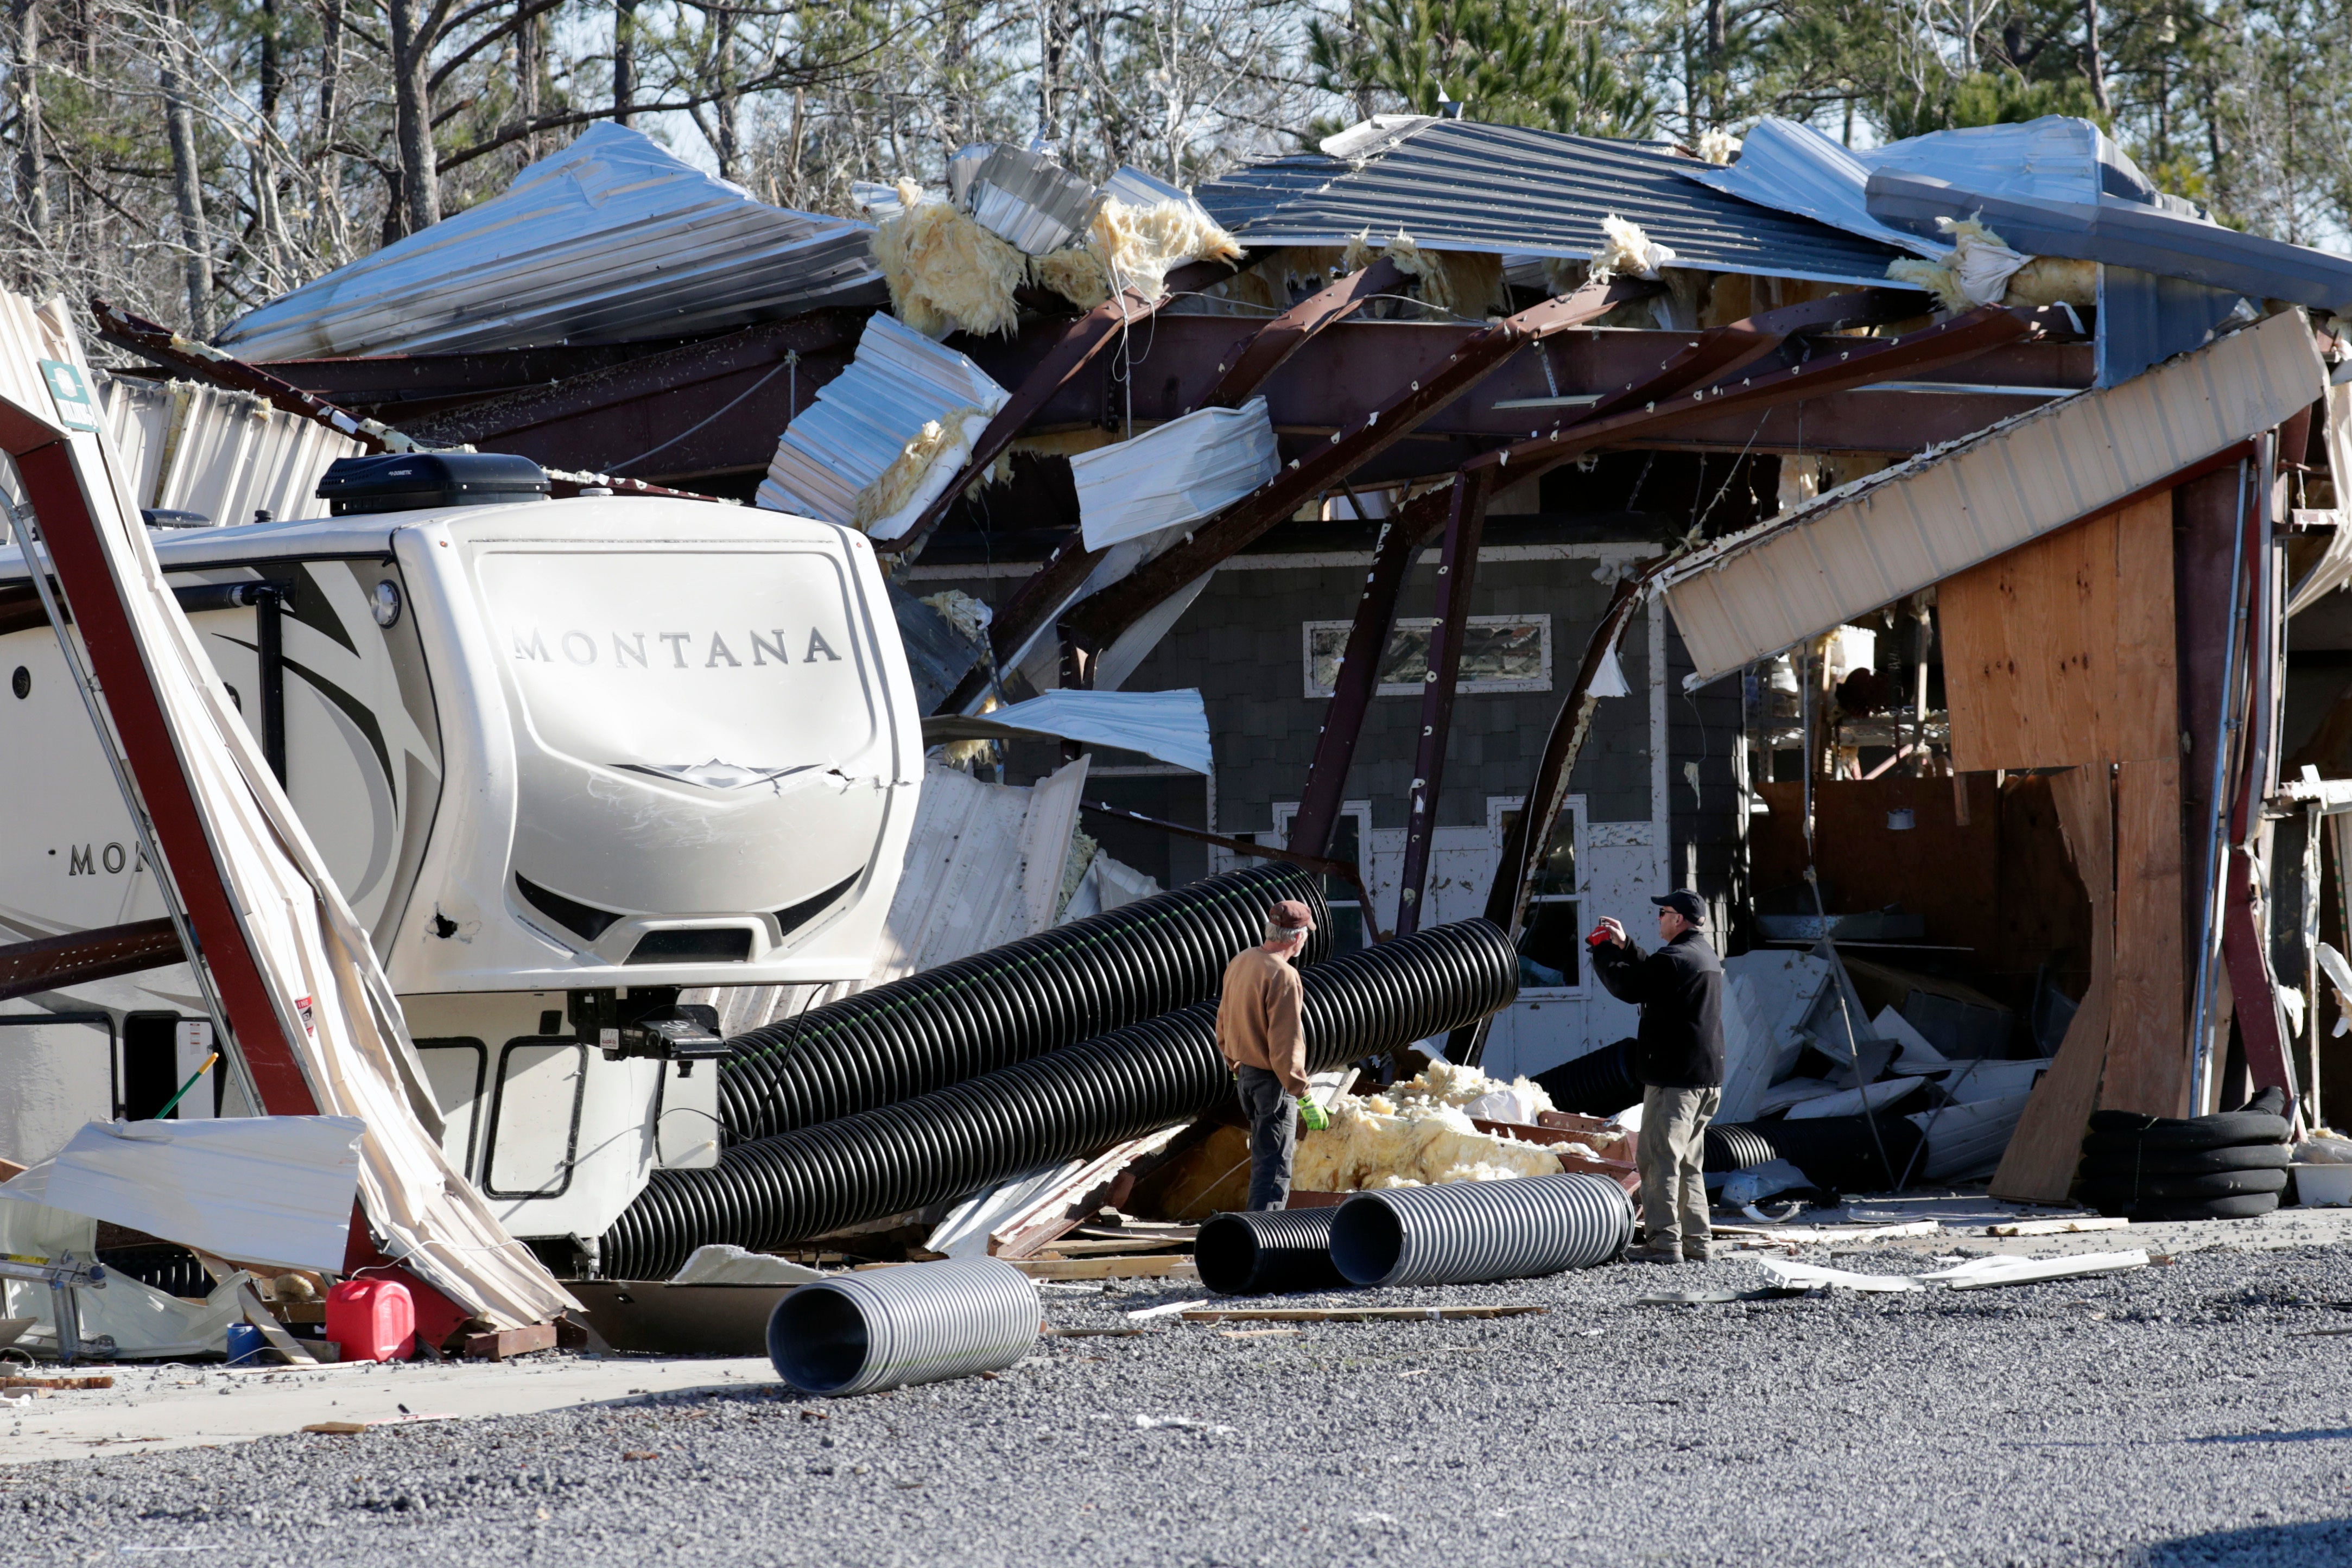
[{"x": 2189, "y": 1414}]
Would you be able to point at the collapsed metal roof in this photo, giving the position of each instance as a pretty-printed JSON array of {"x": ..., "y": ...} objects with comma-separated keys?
[
  {"x": 608, "y": 240},
  {"x": 1458, "y": 185}
]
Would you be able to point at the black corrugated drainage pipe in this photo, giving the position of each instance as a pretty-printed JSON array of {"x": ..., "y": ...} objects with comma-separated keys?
[
  {"x": 991, "y": 1009},
  {"x": 919, "y": 1323},
  {"x": 1598, "y": 1084},
  {"x": 1466, "y": 1231},
  {"x": 1268, "y": 1252},
  {"x": 1836, "y": 1153},
  {"x": 1059, "y": 1106}
]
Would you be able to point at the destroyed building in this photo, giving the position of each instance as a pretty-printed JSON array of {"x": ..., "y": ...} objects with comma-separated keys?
[{"x": 1475, "y": 522}]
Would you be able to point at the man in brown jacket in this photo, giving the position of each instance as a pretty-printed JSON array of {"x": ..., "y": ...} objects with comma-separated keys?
[{"x": 1260, "y": 1033}]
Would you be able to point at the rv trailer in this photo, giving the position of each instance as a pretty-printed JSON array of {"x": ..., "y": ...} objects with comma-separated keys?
[{"x": 565, "y": 759}]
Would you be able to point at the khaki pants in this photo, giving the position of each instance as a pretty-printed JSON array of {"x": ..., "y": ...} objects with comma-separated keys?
[{"x": 1670, "y": 1157}]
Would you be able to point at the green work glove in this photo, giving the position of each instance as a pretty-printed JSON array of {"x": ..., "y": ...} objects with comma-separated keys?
[{"x": 1311, "y": 1117}]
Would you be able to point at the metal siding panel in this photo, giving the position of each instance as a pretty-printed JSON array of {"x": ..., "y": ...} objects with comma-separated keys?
[{"x": 1752, "y": 595}]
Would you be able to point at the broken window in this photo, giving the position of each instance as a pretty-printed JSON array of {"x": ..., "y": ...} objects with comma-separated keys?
[
  {"x": 1499, "y": 654},
  {"x": 1551, "y": 942}
]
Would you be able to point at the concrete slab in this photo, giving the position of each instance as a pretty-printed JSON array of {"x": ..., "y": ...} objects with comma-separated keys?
[{"x": 152, "y": 1408}]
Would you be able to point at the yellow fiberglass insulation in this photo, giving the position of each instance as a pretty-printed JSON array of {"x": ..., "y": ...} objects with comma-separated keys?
[
  {"x": 1139, "y": 246},
  {"x": 1981, "y": 269},
  {"x": 1450, "y": 1083},
  {"x": 1626, "y": 250},
  {"x": 1453, "y": 283},
  {"x": 946, "y": 273},
  {"x": 2054, "y": 280},
  {"x": 946, "y": 440},
  {"x": 1365, "y": 1149},
  {"x": 1931, "y": 277},
  {"x": 968, "y": 615}
]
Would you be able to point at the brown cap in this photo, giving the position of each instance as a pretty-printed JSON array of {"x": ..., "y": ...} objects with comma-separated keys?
[{"x": 1290, "y": 916}]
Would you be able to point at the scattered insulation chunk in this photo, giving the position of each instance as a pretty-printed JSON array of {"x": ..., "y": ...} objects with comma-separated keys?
[
  {"x": 946, "y": 273},
  {"x": 1137, "y": 245},
  {"x": 1419, "y": 1134},
  {"x": 895, "y": 425},
  {"x": 1626, "y": 251},
  {"x": 1983, "y": 269},
  {"x": 1365, "y": 1150},
  {"x": 1453, "y": 283}
]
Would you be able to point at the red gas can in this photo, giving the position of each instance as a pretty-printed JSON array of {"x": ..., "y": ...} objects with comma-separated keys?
[{"x": 371, "y": 1320}]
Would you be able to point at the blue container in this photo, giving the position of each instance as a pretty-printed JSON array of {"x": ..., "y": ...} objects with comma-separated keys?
[{"x": 245, "y": 1344}]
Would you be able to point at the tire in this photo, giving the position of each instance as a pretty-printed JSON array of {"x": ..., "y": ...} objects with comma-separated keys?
[
  {"x": 2188, "y": 1189},
  {"x": 2245, "y": 1208},
  {"x": 2222, "y": 1131},
  {"x": 2108, "y": 1154}
]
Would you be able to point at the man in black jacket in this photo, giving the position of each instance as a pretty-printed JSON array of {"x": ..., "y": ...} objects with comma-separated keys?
[{"x": 1679, "y": 1056}]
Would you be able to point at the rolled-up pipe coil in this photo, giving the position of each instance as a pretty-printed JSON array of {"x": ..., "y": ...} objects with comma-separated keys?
[
  {"x": 919, "y": 1323},
  {"x": 991, "y": 1009},
  {"x": 1074, "y": 1101},
  {"x": 1463, "y": 1232},
  {"x": 1267, "y": 1253}
]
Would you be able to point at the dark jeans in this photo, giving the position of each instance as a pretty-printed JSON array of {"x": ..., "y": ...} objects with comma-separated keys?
[{"x": 1273, "y": 1135}]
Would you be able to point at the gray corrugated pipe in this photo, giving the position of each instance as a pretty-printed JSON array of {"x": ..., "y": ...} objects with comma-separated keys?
[
  {"x": 1462, "y": 1232},
  {"x": 918, "y": 1322}
]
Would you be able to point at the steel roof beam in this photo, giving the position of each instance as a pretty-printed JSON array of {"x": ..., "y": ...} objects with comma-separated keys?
[
  {"x": 1041, "y": 598},
  {"x": 1097, "y": 623}
]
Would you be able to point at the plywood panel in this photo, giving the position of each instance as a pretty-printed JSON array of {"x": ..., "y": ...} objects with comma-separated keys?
[
  {"x": 2042, "y": 1153},
  {"x": 2148, "y": 1054},
  {"x": 2060, "y": 654},
  {"x": 2142, "y": 723},
  {"x": 1939, "y": 868}
]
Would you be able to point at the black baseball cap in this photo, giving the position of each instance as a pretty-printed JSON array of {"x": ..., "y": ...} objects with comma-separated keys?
[{"x": 1684, "y": 902}]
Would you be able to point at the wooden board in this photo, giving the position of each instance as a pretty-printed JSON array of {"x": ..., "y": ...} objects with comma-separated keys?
[
  {"x": 2039, "y": 1164},
  {"x": 1353, "y": 1314},
  {"x": 2060, "y": 654},
  {"x": 1070, "y": 1248},
  {"x": 498, "y": 1346},
  {"x": 1160, "y": 1268},
  {"x": 2148, "y": 1050}
]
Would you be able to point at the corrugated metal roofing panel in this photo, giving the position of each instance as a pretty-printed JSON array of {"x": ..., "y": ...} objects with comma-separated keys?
[
  {"x": 608, "y": 240},
  {"x": 1183, "y": 470},
  {"x": 898, "y": 381},
  {"x": 226, "y": 455},
  {"x": 1872, "y": 542},
  {"x": 1455, "y": 184},
  {"x": 1030, "y": 202},
  {"x": 1795, "y": 169}
]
